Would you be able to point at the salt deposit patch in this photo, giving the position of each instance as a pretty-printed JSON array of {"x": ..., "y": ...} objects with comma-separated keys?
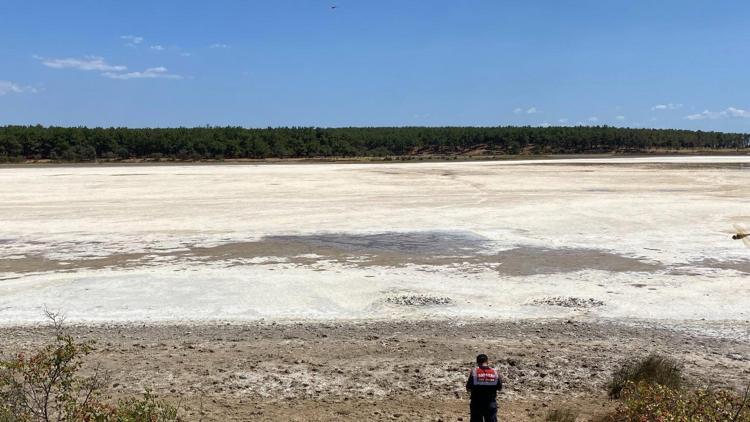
[{"x": 328, "y": 241}]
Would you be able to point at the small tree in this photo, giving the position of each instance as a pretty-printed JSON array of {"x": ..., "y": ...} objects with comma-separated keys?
[{"x": 46, "y": 386}]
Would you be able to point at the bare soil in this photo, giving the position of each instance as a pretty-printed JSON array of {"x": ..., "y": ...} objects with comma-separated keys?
[{"x": 396, "y": 370}]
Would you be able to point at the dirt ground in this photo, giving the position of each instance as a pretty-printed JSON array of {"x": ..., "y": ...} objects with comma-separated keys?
[{"x": 399, "y": 370}]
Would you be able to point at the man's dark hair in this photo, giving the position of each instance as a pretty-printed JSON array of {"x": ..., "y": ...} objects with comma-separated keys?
[{"x": 482, "y": 359}]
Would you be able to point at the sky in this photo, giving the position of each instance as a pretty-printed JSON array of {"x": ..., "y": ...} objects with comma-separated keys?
[{"x": 165, "y": 63}]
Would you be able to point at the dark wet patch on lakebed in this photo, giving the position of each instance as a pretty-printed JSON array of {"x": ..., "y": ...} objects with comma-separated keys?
[
  {"x": 419, "y": 243},
  {"x": 742, "y": 266},
  {"x": 526, "y": 261},
  {"x": 386, "y": 249}
]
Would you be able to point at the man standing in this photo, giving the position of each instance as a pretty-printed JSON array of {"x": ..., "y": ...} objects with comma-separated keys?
[{"x": 483, "y": 384}]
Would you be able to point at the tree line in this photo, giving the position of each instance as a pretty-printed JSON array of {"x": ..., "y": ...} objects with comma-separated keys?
[{"x": 18, "y": 143}]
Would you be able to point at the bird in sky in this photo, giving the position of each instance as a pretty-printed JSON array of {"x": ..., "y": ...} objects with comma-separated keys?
[{"x": 333, "y": 7}]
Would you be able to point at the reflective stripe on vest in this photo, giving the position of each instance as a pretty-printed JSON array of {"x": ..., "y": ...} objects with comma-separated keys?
[{"x": 484, "y": 376}]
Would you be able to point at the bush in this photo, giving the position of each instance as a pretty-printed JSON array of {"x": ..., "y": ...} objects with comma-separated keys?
[
  {"x": 47, "y": 386},
  {"x": 654, "y": 369},
  {"x": 561, "y": 415},
  {"x": 149, "y": 408},
  {"x": 645, "y": 401}
]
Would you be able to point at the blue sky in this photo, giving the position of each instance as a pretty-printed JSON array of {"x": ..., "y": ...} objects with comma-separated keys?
[{"x": 657, "y": 63}]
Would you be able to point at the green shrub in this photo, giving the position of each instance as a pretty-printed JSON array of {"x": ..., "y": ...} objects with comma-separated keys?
[
  {"x": 654, "y": 369},
  {"x": 561, "y": 415},
  {"x": 149, "y": 408},
  {"x": 47, "y": 386},
  {"x": 653, "y": 402}
]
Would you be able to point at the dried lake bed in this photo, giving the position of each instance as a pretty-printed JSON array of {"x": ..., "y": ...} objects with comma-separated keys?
[{"x": 617, "y": 239}]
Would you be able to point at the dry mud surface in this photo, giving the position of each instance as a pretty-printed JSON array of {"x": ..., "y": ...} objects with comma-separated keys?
[{"x": 399, "y": 370}]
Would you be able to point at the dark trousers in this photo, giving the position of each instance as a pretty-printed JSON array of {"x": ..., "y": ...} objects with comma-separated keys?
[{"x": 485, "y": 412}]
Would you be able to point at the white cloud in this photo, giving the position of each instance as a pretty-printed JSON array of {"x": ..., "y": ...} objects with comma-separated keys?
[
  {"x": 620, "y": 118},
  {"x": 530, "y": 110},
  {"x": 150, "y": 73},
  {"x": 87, "y": 63},
  {"x": 132, "y": 40},
  {"x": 669, "y": 106},
  {"x": 593, "y": 119},
  {"x": 563, "y": 120},
  {"x": 108, "y": 70},
  {"x": 737, "y": 112},
  {"x": 8, "y": 87},
  {"x": 544, "y": 124},
  {"x": 704, "y": 115},
  {"x": 157, "y": 47},
  {"x": 218, "y": 45},
  {"x": 186, "y": 54},
  {"x": 730, "y": 112}
]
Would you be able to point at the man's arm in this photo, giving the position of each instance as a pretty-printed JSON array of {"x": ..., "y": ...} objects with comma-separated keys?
[
  {"x": 469, "y": 382},
  {"x": 499, "y": 383}
]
